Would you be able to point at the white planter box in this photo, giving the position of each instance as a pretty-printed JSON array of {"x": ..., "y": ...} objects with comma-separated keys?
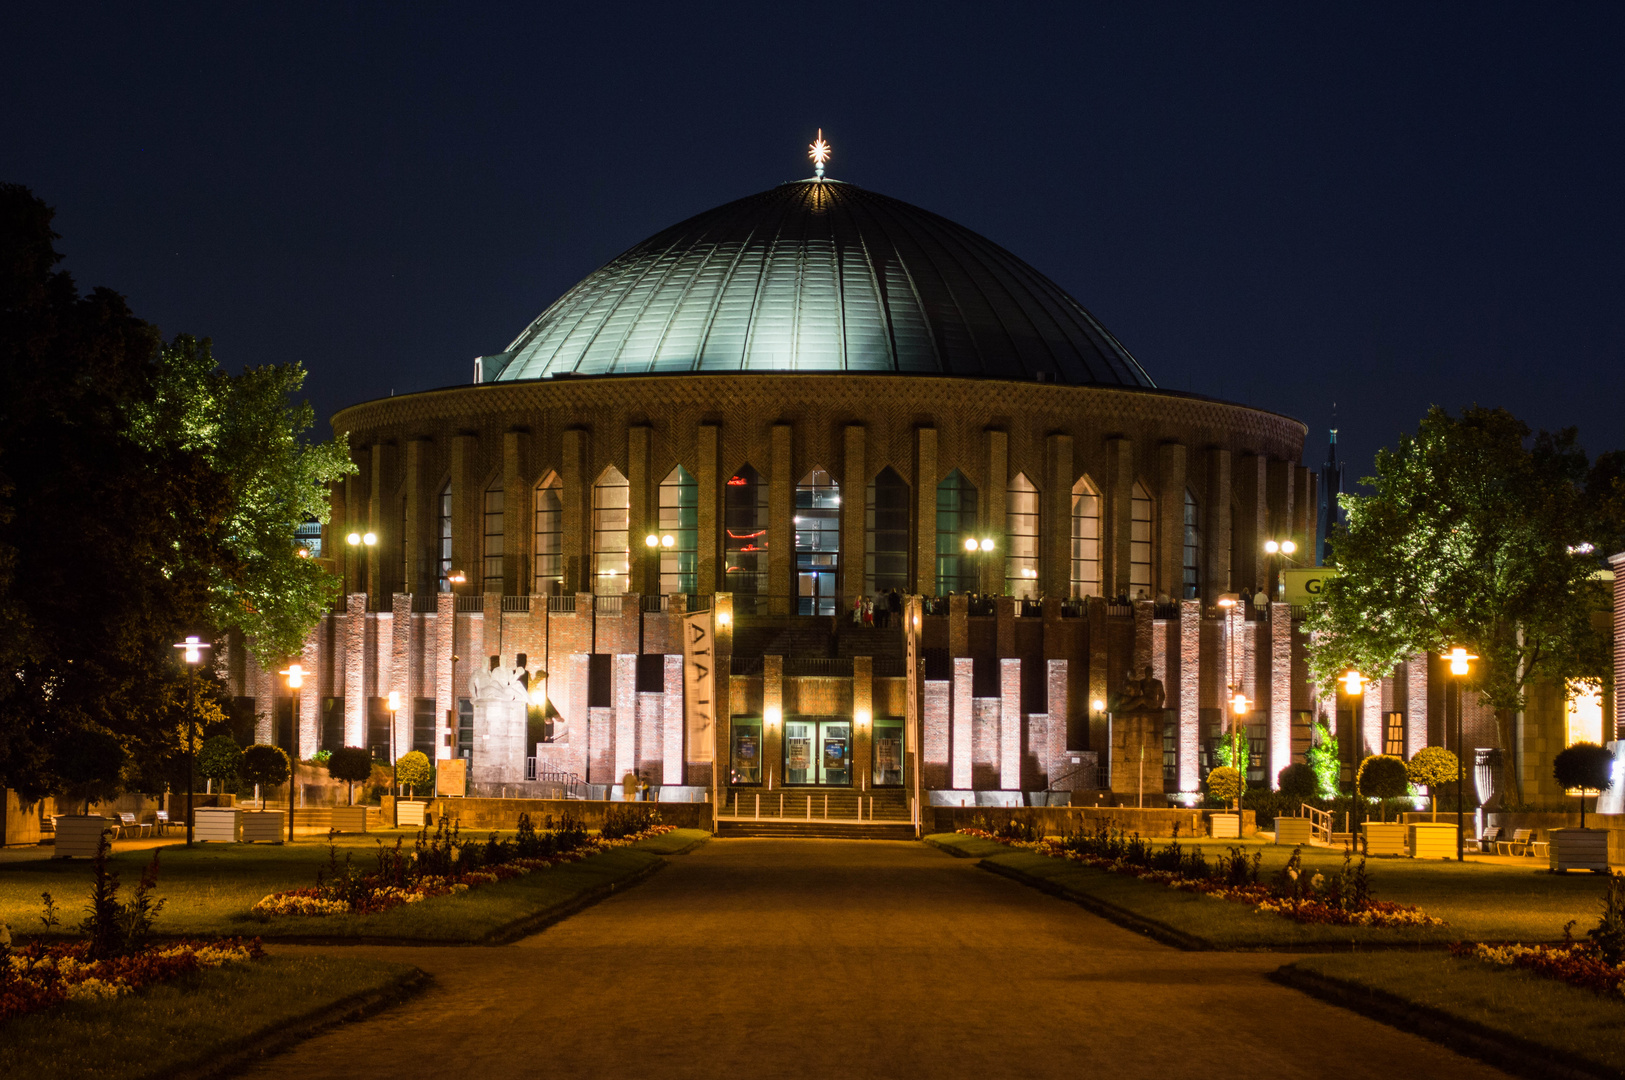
[
  {"x": 1575, "y": 849},
  {"x": 1384, "y": 838},
  {"x": 80, "y": 834},
  {"x": 216, "y": 823},
  {"x": 409, "y": 814},
  {"x": 1293, "y": 830},
  {"x": 269, "y": 826},
  {"x": 1225, "y": 826},
  {"x": 350, "y": 818},
  {"x": 1432, "y": 839}
]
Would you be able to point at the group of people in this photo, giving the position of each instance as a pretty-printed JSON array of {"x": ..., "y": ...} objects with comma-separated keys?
[{"x": 874, "y": 611}]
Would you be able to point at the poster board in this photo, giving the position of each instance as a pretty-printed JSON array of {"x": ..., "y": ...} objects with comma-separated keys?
[{"x": 699, "y": 686}]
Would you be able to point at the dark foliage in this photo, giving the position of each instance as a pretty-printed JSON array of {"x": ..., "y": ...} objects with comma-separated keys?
[
  {"x": 1298, "y": 781},
  {"x": 115, "y": 927},
  {"x": 265, "y": 765}
]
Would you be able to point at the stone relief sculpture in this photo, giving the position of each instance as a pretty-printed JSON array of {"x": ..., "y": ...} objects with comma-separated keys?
[
  {"x": 1140, "y": 693},
  {"x": 497, "y": 684}
]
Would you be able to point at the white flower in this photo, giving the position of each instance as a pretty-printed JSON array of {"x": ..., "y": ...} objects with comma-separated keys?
[
  {"x": 1318, "y": 880},
  {"x": 1293, "y": 874}
]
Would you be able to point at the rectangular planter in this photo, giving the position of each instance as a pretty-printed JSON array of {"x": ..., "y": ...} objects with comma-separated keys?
[
  {"x": 1578, "y": 849},
  {"x": 1432, "y": 839},
  {"x": 80, "y": 835},
  {"x": 1293, "y": 830},
  {"x": 216, "y": 823},
  {"x": 269, "y": 826},
  {"x": 350, "y": 818},
  {"x": 1384, "y": 838},
  {"x": 1224, "y": 826},
  {"x": 409, "y": 814}
]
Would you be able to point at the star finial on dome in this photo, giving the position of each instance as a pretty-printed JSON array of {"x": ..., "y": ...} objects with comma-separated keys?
[{"x": 819, "y": 152}]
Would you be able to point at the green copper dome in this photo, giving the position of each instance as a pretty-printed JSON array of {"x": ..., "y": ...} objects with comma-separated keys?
[{"x": 819, "y": 276}]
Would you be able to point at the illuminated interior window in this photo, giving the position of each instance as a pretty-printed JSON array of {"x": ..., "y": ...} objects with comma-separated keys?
[
  {"x": 679, "y": 519},
  {"x": 818, "y": 542},
  {"x": 1085, "y": 539},
  {"x": 1139, "y": 548},
  {"x": 611, "y": 507},
  {"x": 549, "y": 536},
  {"x": 1584, "y": 719},
  {"x": 885, "y": 519},
  {"x": 1021, "y": 564},
  {"x": 443, "y": 535},
  {"x": 744, "y": 538},
  {"x": 956, "y": 523},
  {"x": 1192, "y": 549},
  {"x": 493, "y": 537}
]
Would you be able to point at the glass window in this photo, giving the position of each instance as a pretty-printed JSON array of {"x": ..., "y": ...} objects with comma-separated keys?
[
  {"x": 1139, "y": 548},
  {"x": 799, "y": 752},
  {"x": 1193, "y": 545},
  {"x": 885, "y": 519},
  {"x": 679, "y": 519},
  {"x": 549, "y": 535},
  {"x": 1085, "y": 539},
  {"x": 465, "y": 729},
  {"x": 1021, "y": 565},
  {"x": 818, "y": 542},
  {"x": 744, "y": 539},
  {"x": 492, "y": 576},
  {"x": 888, "y": 752},
  {"x": 956, "y": 523},
  {"x": 611, "y": 506},
  {"x": 1393, "y": 737},
  {"x": 308, "y": 536},
  {"x": 443, "y": 533},
  {"x": 423, "y": 726},
  {"x": 747, "y": 751}
]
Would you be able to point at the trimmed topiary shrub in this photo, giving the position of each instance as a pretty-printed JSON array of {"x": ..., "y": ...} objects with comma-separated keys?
[
  {"x": 1298, "y": 781},
  {"x": 1585, "y": 766},
  {"x": 219, "y": 759},
  {"x": 352, "y": 764},
  {"x": 1226, "y": 784},
  {"x": 413, "y": 771},
  {"x": 266, "y": 766},
  {"x": 1382, "y": 777},
  {"x": 1433, "y": 767}
]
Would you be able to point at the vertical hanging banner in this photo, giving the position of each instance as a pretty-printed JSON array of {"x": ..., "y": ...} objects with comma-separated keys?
[{"x": 699, "y": 686}]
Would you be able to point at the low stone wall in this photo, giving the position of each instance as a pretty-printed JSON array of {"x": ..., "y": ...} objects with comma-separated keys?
[
  {"x": 483, "y": 814},
  {"x": 1057, "y": 820},
  {"x": 1543, "y": 824}
]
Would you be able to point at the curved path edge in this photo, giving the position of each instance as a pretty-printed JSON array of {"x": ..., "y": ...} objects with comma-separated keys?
[{"x": 1128, "y": 920}]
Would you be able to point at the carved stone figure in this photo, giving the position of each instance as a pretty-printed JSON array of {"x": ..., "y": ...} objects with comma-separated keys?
[
  {"x": 496, "y": 684},
  {"x": 1140, "y": 693}
]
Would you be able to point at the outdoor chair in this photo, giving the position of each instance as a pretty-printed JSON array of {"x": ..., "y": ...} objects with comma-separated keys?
[
  {"x": 1540, "y": 849},
  {"x": 1487, "y": 842},
  {"x": 161, "y": 822},
  {"x": 129, "y": 821},
  {"x": 1518, "y": 845}
]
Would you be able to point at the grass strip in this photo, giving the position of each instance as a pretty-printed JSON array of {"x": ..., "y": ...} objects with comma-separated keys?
[
  {"x": 1513, "y": 1019},
  {"x": 202, "y": 1025}
]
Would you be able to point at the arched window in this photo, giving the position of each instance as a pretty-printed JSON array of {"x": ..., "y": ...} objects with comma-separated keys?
[
  {"x": 956, "y": 523},
  {"x": 1085, "y": 539},
  {"x": 611, "y": 506},
  {"x": 1193, "y": 547},
  {"x": 818, "y": 542},
  {"x": 680, "y": 520},
  {"x": 443, "y": 539},
  {"x": 885, "y": 521},
  {"x": 493, "y": 538},
  {"x": 549, "y": 536},
  {"x": 1139, "y": 547},
  {"x": 1021, "y": 565},
  {"x": 744, "y": 536}
]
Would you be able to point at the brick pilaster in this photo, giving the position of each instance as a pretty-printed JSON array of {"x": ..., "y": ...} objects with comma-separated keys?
[
  {"x": 445, "y": 639},
  {"x": 1010, "y": 724},
  {"x": 963, "y": 723},
  {"x": 671, "y": 746},
  {"x": 1280, "y": 678},
  {"x": 1190, "y": 695}
]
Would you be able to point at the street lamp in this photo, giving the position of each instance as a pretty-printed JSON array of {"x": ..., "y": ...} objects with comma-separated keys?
[
  {"x": 1460, "y": 664},
  {"x": 361, "y": 539},
  {"x": 1354, "y": 686},
  {"x": 976, "y": 549},
  {"x": 191, "y": 652},
  {"x": 1282, "y": 550},
  {"x": 296, "y": 678},
  {"x": 394, "y": 701},
  {"x": 654, "y": 542}
]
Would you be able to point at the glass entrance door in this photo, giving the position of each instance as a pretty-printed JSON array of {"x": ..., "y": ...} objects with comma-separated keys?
[
  {"x": 835, "y": 753},
  {"x": 818, "y": 752}
]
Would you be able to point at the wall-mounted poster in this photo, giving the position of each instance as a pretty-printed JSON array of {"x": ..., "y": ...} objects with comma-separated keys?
[
  {"x": 797, "y": 753},
  {"x": 888, "y": 752},
  {"x": 745, "y": 749},
  {"x": 834, "y": 754},
  {"x": 698, "y": 685}
]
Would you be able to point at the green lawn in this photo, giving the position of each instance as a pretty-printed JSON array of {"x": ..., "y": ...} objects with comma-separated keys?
[
  {"x": 192, "y": 1022},
  {"x": 1478, "y": 901},
  {"x": 1559, "y": 1019},
  {"x": 210, "y": 889}
]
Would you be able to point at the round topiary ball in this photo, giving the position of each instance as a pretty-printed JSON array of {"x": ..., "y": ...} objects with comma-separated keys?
[
  {"x": 220, "y": 758},
  {"x": 1298, "y": 781},
  {"x": 265, "y": 765},
  {"x": 1382, "y": 776},
  {"x": 1433, "y": 767},
  {"x": 352, "y": 764},
  {"x": 412, "y": 770},
  {"x": 1226, "y": 784},
  {"x": 1585, "y": 766}
]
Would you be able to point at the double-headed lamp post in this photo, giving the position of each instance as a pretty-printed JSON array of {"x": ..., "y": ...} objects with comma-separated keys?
[
  {"x": 655, "y": 542},
  {"x": 296, "y": 678},
  {"x": 1284, "y": 550},
  {"x": 191, "y": 652},
  {"x": 362, "y": 540},
  {"x": 1461, "y": 663},
  {"x": 977, "y": 550}
]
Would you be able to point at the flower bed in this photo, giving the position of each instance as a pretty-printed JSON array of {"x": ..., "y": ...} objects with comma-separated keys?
[
  {"x": 442, "y": 866},
  {"x": 1342, "y": 900},
  {"x": 40, "y": 976},
  {"x": 1576, "y": 963}
]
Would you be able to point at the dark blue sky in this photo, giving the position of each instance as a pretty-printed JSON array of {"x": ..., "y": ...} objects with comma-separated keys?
[{"x": 1383, "y": 206}]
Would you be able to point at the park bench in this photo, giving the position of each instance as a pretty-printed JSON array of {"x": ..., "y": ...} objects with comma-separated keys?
[
  {"x": 130, "y": 821},
  {"x": 1521, "y": 843},
  {"x": 1487, "y": 842},
  {"x": 161, "y": 822}
]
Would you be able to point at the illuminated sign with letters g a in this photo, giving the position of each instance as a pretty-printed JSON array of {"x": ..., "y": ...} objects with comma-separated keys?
[{"x": 1304, "y": 584}]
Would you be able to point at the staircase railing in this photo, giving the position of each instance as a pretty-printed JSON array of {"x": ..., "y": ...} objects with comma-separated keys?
[{"x": 1320, "y": 822}]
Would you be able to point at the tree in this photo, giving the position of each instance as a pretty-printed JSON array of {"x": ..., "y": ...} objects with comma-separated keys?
[
  {"x": 412, "y": 771},
  {"x": 1298, "y": 781},
  {"x": 1226, "y": 784},
  {"x": 1433, "y": 767},
  {"x": 247, "y": 429},
  {"x": 1324, "y": 761},
  {"x": 265, "y": 766},
  {"x": 1234, "y": 750},
  {"x": 351, "y": 764},
  {"x": 220, "y": 758},
  {"x": 1382, "y": 776},
  {"x": 1585, "y": 766},
  {"x": 1477, "y": 535}
]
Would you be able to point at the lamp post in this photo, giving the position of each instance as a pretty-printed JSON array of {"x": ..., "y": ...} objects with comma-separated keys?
[
  {"x": 655, "y": 542},
  {"x": 1282, "y": 550},
  {"x": 192, "y": 653},
  {"x": 1354, "y": 686},
  {"x": 1228, "y": 602},
  {"x": 1460, "y": 664},
  {"x": 362, "y": 540},
  {"x": 977, "y": 550},
  {"x": 296, "y": 678},
  {"x": 394, "y": 708}
]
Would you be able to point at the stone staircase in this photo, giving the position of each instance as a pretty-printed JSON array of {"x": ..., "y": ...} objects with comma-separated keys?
[{"x": 817, "y": 812}]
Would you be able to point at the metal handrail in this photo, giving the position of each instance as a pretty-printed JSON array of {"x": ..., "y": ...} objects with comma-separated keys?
[
  {"x": 468, "y": 604},
  {"x": 517, "y": 604},
  {"x": 561, "y": 605},
  {"x": 608, "y": 605},
  {"x": 654, "y": 604}
]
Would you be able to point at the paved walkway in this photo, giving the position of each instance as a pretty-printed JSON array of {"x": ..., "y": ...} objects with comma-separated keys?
[{"x": 768, "y": 958}]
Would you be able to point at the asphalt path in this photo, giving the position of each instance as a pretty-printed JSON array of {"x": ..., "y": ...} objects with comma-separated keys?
[{"x": 829, "y": 958}]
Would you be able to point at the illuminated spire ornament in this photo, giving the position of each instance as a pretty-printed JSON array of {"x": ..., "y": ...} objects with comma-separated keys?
[{"x": 819, "y": 152}]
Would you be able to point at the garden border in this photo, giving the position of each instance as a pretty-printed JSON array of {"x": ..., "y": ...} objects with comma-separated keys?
[{"x": 1468, "y": 1037}]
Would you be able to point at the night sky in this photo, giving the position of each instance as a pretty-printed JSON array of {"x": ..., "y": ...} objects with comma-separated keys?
[{"x": 1385, "y": 208}]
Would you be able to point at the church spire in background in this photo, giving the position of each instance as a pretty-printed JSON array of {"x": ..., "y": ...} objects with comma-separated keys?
[{"x": 1331, "y": 486}]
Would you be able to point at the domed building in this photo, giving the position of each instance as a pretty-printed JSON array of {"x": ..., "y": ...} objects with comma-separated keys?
[{"x": 930, "y": 509}]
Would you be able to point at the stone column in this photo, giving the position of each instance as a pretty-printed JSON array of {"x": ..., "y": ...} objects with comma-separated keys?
[
  {"x": 1057, "y": 762},
  {"x": 1416, "y": 704},
  {"x": 642, "y": 516},
  {"x": 1117, "y": 533},
  {"x": 925, "y": 513},
  {"x": 963, "y": 723},
  {"x": 575, "y": 520},
  {"x": 773, "y": 720},
  {"x": 1169, "y": 545},
  {"x": 400, "y": 671},
  {"x": 863, "y": 720},
  {"x": 996, "y": 486},
  {"x": 1216, "y": 525},
  {"x": 518, "y": 519},
  {"x": 1190, "y": 695},
  {"x": 708, "y": 483},
  {"x": 781, "y": 531},
  {"x": 355, "y": 666},
  {"x": 445, "y": 617},
  {"x": 310, "y": 694},
  {"x": 854, "y": 495},
  {"x": 623, "y": 692},
  {"x": 1055, "y": 575},
  {"x": 1371, "y": 721},
  {"x": 1280, "y": 755},
  {"x": 1010, "y": 725},
  {"x": 672, "y": 721},
  {"x": 415, "y": 552}
]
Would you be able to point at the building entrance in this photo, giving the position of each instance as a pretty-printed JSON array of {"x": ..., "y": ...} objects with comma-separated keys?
[{"x": 818, "y": 752}]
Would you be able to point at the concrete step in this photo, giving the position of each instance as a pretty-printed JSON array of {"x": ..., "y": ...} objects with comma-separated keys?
[
  {"x": 791, "y": 829},
  {"x": 884, "y": 804}
]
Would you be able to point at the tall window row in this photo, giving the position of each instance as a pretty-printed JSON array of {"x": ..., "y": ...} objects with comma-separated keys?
[{"x": 680, "y": 520}]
